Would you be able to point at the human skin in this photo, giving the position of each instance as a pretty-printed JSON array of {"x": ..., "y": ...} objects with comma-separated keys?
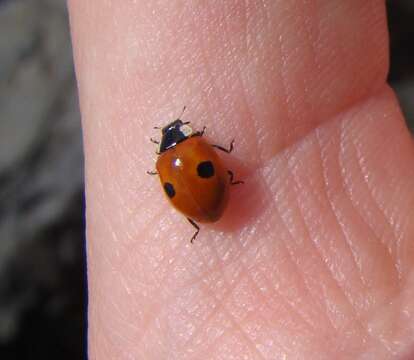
[{"x": 313, "y": 258}]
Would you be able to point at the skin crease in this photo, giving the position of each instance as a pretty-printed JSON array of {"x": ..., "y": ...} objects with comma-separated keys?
[{"x": 313, "y": 259}]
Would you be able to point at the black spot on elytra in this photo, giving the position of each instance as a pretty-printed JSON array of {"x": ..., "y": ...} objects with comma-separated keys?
[
  {"x": 205, "y": 169},
  {"x": 169, "y": 189}
]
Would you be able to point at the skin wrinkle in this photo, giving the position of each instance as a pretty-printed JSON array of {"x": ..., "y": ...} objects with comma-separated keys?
[
  {"x": 255, "y": 287},
  {"x": 243, "y": 90},
  {"x": 109, "y": 331},
  {"x": 149, "y": 225},
  {"x": 258, "y": 291},
  {"x": 307, "y": 13},
  {"x": 283, "y": 350},
  {"x": 386, "y": 252},
  {"x": 401, "y": 249},
  {"x": 400, "y": 234},
  {"x": 370, "y": 191},
  {"x": 291, "y": 258},
  {"x": 227, "y": 314},
  {"x": 284, "y": 90},
  {"x": 392, "y": 346},
  {"x": 282, "y": 297},
  {"x": 251, "y": 119},
  {"x": 247, "y": 16},
  {"x": 232, "y": 287},
  {"x": 248, "y": 113},
  {"x": 332, "y": 208},
  {"x": 243, "y": 251},
  {"x": 356, "y": 318},
  {"x": 356, "y": 205},
  {"x": 195, "y": 280},
  {"x": 321, "y": 255},
  {"x": 376, "y": 204},
  {"x": 269, "y": 61},
  {"x": 151, "y": 310},
  {"x": 167, "y": 263},
  {"x": 156, "y": 308},
  {"x": 368, "y": 225},
  {"x": 346, "y": 105},
  {"x": 229, "y": 331},
  {"x": 304, "y": 95},
  {"x": 114, "y": 308},
  {"x": 291, "y": 255},
  {"x": 220, "y": 303},
  {"x": 400, "y": 225},
  {"x": 294, "y": 144},
  {"x": 207, "y": 68},
  {"x": 243, "y": 334},
  {"x": 308, "y": 236},
  {"x": 342, "y": 159},
  {"x": 278, "y": 294}
]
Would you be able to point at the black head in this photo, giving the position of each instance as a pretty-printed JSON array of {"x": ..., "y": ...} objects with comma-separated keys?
[{"x": 174, "y": 133}]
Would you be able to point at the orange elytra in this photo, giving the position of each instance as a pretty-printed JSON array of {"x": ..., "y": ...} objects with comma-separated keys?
[{"x": 192, "y": 174}]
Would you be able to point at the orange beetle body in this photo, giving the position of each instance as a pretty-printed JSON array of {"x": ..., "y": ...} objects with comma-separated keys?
[
  {"x": 194, "y": 179},
  {"x": 192, "y": 174}
]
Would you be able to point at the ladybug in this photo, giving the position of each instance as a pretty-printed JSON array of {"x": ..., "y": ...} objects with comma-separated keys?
[{"x": 191, "y": 173}]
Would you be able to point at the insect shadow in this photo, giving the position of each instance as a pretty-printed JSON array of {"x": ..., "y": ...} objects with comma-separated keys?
[{"x": 247, "y": 201}]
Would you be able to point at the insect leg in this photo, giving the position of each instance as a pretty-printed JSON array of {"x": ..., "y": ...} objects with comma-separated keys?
[
  {"x": 154, "y": 141},
  {"x": 152, "y": 173},
  {"x": 229, "y": 150},
  {"x": 200, "y": 133},
  {"x": 196, "y": 227},
  {"x": 232, "y": 182}
]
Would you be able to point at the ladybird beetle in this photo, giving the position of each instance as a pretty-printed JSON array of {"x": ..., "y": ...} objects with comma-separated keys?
[{"x": 192, "y": 174}]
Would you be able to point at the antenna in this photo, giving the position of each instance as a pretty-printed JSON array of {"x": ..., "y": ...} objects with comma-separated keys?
[{"x": 182, "y": 112}]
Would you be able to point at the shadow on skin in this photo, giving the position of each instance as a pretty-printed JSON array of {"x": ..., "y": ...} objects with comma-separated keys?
[{"x": 247, "y": 201}]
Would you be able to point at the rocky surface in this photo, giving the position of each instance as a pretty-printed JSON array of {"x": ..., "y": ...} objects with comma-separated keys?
[{"x": 42, "y": 273}]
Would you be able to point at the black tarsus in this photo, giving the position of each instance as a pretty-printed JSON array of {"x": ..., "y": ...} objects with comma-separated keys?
[
  {"x": 197, "y": 229},
  {"x": 152, "y": 173},
  {"x": 228, "y": 151},
  {"x": 232, "y": 177}
]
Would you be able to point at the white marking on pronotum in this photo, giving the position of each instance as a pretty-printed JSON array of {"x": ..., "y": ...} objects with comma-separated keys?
[{"x": 186, "y": 130}]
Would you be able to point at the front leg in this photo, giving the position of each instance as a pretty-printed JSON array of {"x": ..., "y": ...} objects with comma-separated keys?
[{"x": 228, "y": 151}]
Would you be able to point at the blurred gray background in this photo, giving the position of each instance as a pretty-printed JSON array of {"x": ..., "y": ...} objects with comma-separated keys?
[{"x": 42, "y": 271}]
